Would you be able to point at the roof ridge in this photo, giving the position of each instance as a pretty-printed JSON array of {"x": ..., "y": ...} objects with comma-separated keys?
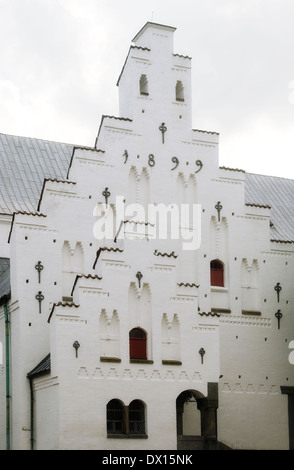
[
  {"x": 36, "y": 138},
  {"x": 269, "y": 176}
]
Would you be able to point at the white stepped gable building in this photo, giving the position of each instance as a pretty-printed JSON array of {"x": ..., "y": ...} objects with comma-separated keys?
[{"x": 132, "y": 341}]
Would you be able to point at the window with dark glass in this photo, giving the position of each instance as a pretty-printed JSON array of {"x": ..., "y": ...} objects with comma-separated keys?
[
  {"x": 179, "y": 91},
  {"x": 115, "y": 417},
  {"x": 136, "y": 417},
  {"x": 217, "y": 273},
  {"x": 138, "y": 343},
  {"x": 126, "y": 421},
  {"x": 144, "y": 85}
]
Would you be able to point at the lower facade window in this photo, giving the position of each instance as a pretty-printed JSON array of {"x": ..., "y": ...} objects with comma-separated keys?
[
  {"x": 126, "y": 421},
  {"x": 115, "y": 418},
  {"x": 136, "y": 417}
]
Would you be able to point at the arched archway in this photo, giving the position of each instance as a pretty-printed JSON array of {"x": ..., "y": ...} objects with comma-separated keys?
[{"x": 193, "y": 405}]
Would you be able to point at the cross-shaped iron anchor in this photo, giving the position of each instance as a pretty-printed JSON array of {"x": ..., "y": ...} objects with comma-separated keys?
[
  {"x": 278, "y": 289},
  {"x": 278, "y": 315},
  {"x": 218, "y": 208},
  {"x": 76, "y": 345},
  {"x": 163, "y": 129},
  {"x": 201, "y": 352},
  {"x": 39, "y": 298},
  {"x": 139, "y": 276},
  {"x": 39, "y": 267},
  {"x": 106, "y": 194}
]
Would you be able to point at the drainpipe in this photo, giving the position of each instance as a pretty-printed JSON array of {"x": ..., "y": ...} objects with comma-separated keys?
[
  {"x": 7, "y": 376},
  {"x": 32, "y": 412}
]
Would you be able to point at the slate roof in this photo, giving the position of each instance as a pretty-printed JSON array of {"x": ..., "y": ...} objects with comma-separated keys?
[
  {"x": 43, "y": 367},
  {"x": 277, "y": 193},
  {"x": 25, "y": 163}
]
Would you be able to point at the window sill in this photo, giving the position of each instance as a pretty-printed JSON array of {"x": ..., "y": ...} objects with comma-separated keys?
[
  {"x": 171, "y": 363},
  {"x": 221, "y": 310},
  {"x": 219, "y": 289},
  {"x": 140, "y": 361},
  {"x": 127, "y": 436},
  {"x": 251, "y": 312},
  {"x": 109, "y": 359}
]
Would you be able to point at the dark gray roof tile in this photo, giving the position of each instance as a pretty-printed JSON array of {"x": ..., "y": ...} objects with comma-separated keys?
[
  {"x": 43, "y": 367},
  {"x": 277, "y": 193},
  {"x": 24, "y": 163}
]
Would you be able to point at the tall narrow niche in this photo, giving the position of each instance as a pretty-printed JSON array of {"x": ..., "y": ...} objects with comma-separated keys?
[
  {"x": 72, "y": 264},
  {"x": 78, "y": 259},
  {"x": 193, "y": 231},
  {"x": 140, "y": 313},
  {"x": 182, "y": 262},
  {"x": 170, "y": 338},
  {"x": 133, "y": 301},
  {"x": 219, "y": 251},
  {"x": 133, "y": 186},
  {"x": 219, "y": 243},
  {"x": 181, "y": 185},
  {"x": 144, "y": 190},
  {"x": 109, "y": 335},
  {"x": 250, "y": 286}
]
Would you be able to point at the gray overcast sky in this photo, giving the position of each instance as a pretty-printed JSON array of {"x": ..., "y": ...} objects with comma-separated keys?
[{"x": 60, "y": 61}]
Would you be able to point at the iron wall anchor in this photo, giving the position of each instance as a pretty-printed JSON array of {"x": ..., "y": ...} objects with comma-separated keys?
[
  {"x": 278, "y": 315},
  {"x": 40, "y": 297},
  {"x": 139, "y": 276},
  {"x": 39, "y": 267},
  {"x": 106, "y": 194},
  {"x": 278, "y": 289},
  {"x": 202, "y": 352},
  {"x": 76, "y": 345},
  {"x": 163, "y": 129},
  {"x": 218, "y": 207}
]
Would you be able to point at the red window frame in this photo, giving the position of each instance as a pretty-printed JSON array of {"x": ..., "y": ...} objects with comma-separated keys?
[
  {"x": 138, "y": 344},
  {"x": 217, "y": 273}
]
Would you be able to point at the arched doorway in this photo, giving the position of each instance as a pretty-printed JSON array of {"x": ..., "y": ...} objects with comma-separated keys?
[{"x": 197, "y": 419}]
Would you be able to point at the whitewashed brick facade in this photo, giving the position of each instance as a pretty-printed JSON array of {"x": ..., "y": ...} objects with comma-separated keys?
[{"x": 91, "y": 295}]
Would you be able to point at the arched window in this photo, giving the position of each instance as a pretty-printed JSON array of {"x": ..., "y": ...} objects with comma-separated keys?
[
  {"x": 144, "y": 85},
  {"x": 217, "y": 273},
  {"x": 138, "y": 343},
  {"x": 136, "y": 417},
  {"x": 125, "y": 421},
  {"x": 115, "y": 417},
  {"x": 179, "y": 91}
]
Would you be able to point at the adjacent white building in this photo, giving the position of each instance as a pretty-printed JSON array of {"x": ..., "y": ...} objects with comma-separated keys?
[{"x": 125, "y": 321}]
